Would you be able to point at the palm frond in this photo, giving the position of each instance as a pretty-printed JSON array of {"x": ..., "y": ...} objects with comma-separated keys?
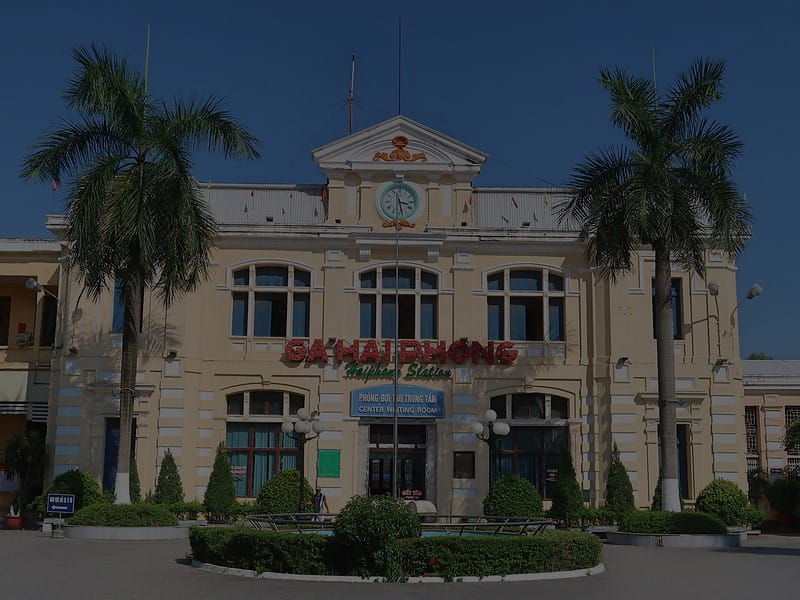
[
  {"x": 691, "y": 93},
  {"x": 633, "y": 106},
  {"x": 710, "y": 146},
  {"x": 203, "y": 124}
]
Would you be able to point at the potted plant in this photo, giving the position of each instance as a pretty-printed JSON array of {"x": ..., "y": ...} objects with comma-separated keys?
[{"x": 25, "y": 457}]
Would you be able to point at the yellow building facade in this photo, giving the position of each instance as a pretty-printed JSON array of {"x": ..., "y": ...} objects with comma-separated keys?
[{"x": 495, "y": 308}]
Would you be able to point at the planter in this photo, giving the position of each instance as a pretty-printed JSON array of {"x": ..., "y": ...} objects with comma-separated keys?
[
  {"x": 87, "y": 532},
  {"x": 675, "y": 540},
  {"x": 13, "y": 522}
]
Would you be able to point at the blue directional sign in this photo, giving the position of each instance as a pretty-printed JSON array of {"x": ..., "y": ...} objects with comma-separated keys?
[
  {"x": 412, "y": 402},
  {"x": 61, "y": 503}
]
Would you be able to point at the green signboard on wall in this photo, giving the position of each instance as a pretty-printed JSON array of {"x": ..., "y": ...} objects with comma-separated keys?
[{"x": 330, "y": 463}]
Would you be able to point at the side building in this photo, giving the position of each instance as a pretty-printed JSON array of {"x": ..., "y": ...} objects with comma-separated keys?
[
  {"x": 494, "y": 305},
  {"x": 29, "y": 335}
]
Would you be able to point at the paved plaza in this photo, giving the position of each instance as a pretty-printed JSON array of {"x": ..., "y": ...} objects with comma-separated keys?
[{"x": 34, "y": 566}]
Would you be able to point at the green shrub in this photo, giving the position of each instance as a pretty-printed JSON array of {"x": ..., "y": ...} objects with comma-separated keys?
[
  {"x": 87, "y": 491},
  {"x": 724, "y": 500},
  {"x": 169, "y": 488},
  {"x": 619, "y": 491},
  {"x": 281, "y": 494},
  {"x": 135, "y": 483},
  {"x": 659, "y": 522},
  {"x": 220, "y": 495},
  {"x": 365, "y": 535},
  {"x": 445, "y": 556},
  {"x": 598, "y": 516},
  {"x": 512, "y": 496},
  {"x": 452, "y": 557},
  {"x": 245, "y": 548},
  {"x": 185, "y": 511},
  {"x": 753, "y": 517},
  {"x": 784, "y": 495},
  {"x": 124, "y": 515},
  {"x": 567, "y": 496}
]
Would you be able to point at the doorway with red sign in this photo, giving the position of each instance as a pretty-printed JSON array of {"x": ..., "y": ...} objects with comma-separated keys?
[{"x": 411, "y": 457}]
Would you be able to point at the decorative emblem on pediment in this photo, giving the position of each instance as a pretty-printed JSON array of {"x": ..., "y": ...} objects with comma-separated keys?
[{"x": 400, "y": 153}]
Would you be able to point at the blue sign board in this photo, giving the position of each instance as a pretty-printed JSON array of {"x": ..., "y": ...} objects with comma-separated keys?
[
  {"x": 61, "y": 503},
  {"x": 413, "y": 402}
]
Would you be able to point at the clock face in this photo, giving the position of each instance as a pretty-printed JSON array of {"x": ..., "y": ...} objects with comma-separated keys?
[{"x": 398, "y": 201}]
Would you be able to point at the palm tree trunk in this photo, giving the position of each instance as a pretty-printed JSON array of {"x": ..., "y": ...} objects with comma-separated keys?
[
  {"x": 665, "y": 348},
  {"x": 130, "y": 350}
]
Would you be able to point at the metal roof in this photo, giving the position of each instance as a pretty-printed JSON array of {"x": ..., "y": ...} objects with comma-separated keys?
[
  {"x": 242, "y": 204},
  {"x": 520, "y": 208},
  {"x": 771, "y": 373}
]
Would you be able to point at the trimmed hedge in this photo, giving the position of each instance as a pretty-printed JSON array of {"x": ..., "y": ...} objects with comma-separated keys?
[
  {"x": 444, "y": 556},
  {"x": 185, "y": 510},
  {"x": 124, "y": 515},
  {"x": 453, "y": 557},
  {"x": 245, "y": 548},
  {"x": 658, "y": 522},
  {"x": 512, "y": 496}
]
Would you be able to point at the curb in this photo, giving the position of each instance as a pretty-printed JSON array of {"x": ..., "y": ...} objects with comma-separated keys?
[{"x": 596, "y": 570}]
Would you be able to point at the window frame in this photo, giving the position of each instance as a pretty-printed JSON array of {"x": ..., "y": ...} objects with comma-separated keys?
[
  {"x": 291, "y": 401},
  {"x": 291, "y": 293},
  {"x": 374, "y": 296},
  {"x": 503, "y": 298}
]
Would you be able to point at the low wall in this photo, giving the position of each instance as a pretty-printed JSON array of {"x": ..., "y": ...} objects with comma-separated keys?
[
  {"x": 87, "y": 532},
  {"x": 675, "y": 540}
]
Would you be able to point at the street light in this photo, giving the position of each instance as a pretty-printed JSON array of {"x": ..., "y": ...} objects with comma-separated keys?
[
  {"x": 487, "y": 429},
  {"x": 299, "y": 429},
  {"x": 33, "y": 284}
]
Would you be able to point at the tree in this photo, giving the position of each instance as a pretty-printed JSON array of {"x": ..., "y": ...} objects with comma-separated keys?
[
  {"x": 792, "y": 435},
  {"x": 619, "y": 491},
  {"x": 169, "y": 489},
  {"x": 670, "y": 191},
  {"x": 134, "y": 214},
  {"x": 221, "y": 491},
  {"x": 759, "y": 356},
  {"x": 567, "y": 496}
]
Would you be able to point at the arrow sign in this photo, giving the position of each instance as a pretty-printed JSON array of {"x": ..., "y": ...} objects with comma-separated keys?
[{"x": 61, "y": 503}]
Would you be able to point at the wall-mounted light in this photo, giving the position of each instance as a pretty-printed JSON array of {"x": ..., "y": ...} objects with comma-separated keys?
[
  {"x": 622, "y": 361},
  {"x": 72, "y": 350},
  {"x": 172, "y": 355},
  {"x": 713, "y": 288},
  {"x": 464, "y": 339}
]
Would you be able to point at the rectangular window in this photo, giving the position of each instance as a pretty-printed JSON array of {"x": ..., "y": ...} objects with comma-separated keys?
[
  {"x": 118, "y": 315},
  {"x": 429, "y": 281},
  {"x": 558, "y": 408},
  {"x": 428, "y": 317},
  {"x": 369, "y": 279},
  {"x": 300, "y": 314},
  {"x": 531, "y": 453},
  {"x": 495, "y": 318},
  {"x": 241, "y": 277},
  {"x": 495, "y": 282},
  {"x": 526, "y": 318},
  {"x": 406, "y": 281},
  {"x": 302, "y": 278},
  {"x": 256, "y": 451},
  {"x": 751, "y": 428},
  {"x": 525, "y": 280},
  {"x": 49, "y": 312},
  {"x": 367, "y": 314},
  {"x": 463, "y": 465},
  {"x": 556, "y": 309},
  {"x": 5, "y": 319},
  {"x": 792, "y": 414},
  {"x": 406, "y": 325},
  {"x": 270, "y": 315},
  {"x": 296, "y": 402},
  {"x": 677, "y": 307},
  {"x": 266, "y": 403},
  {"x": 527, "y": 406},
  {"x": 498, "y": 405},
  {"x": 239, "y": 314},
  {"x": 272, "y": 276}
]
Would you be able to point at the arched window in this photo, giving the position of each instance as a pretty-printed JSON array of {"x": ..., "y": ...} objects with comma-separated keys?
[
  {"x": 538, "y": 431},
  {"x": 525, "y": 304},
  {"x": 257, "y": 448},
  {"x": 416, "y": 303},
  {"x": 271, "y": 301}
]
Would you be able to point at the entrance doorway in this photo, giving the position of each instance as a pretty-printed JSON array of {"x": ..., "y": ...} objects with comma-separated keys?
[{"x": 410, "y": 455}]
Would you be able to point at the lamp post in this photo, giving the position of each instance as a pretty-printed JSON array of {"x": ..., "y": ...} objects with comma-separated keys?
[
  {"x": 299, "y": 429},
  {"x": 487, "y": 428}
]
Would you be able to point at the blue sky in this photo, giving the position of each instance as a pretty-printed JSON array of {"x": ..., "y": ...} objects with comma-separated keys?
[{"x": 515, "y": 79}]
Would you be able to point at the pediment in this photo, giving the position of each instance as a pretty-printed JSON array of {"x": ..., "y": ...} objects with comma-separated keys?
[{"x": 399, "y": 145}]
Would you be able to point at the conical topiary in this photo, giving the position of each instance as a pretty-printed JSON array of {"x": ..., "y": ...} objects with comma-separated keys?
[
  {"x": 136, "y": 485},
  {"x": 567, "y": 496},
  {"x": 619, "y": 491},
  {"x": 221, "y": 493},
  {"x": 169, "y": 488}
]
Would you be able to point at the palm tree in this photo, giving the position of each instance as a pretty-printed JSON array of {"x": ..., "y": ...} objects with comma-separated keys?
[
  {"x": 134, "y": 214},
  {"x": 671, "y": 191}
]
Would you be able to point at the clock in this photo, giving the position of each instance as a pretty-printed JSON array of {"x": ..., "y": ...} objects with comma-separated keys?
[{"x": 399, "y": 201}]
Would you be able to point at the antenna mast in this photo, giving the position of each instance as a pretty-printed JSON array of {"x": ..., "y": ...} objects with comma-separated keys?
[
  {"x": 350, "y": 94},
  {"x": 399, "y": 59}
]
